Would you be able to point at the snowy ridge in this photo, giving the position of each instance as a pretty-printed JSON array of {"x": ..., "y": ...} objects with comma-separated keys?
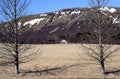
[
  {"x": 67, "y": 14},
  {"x": 62, "y": 12},
  {"x": 34, "y": 21}
]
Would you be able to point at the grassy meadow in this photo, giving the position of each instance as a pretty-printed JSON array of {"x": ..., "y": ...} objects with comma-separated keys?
[{"x": 62, "y": 61}]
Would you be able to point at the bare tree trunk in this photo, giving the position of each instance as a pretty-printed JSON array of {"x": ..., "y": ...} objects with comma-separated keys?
[
  {"x": 16, "y": 58},
  {"x": 17, "y": 65},
  {"x": 101, "y": 57},
  {"x": 16, "y": 39},
  {"x": 102, "y": 67}
]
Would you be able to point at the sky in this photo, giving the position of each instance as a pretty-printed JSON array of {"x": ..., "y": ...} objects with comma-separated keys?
[{"x": 43, "y": 6}]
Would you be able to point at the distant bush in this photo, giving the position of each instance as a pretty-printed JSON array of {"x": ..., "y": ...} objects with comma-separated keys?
[
  {"x": 51, "y": 41},
  {"x": 116, "y": 37},
  {"x": 62, "y": 37},
  {"x": 85, "y": 36}
]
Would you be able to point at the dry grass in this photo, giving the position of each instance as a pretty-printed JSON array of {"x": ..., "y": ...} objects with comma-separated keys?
[{"x": 61, "y": 61}]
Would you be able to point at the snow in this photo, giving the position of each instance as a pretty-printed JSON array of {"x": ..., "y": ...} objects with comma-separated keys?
[
  {"x": 60, "y": 17},
  {"x": 115, "y": 21},
  {"x": 56, "y": 12},
  {"x": 32, "y": 22},
  {"x": 54, "y": 18},
  {"x": 19, "y": 25},
  {"x": 104, "y": 8},
  {"x": 78, "y": 27},
  {"x": 43, "y": 14},
  {"x": 6, "y": 25},
  {"x": 68, "y": 12},
  {"x": 104, "y": 13},
  {"x": 75, "y": 12},
  {"x": 112, "y": 10},
  {"x": 47, "y": 20},
  {"x": 54, "y": 30},
  {"x": 63, "y": 13},
  {"x": 110, "y": 16}
]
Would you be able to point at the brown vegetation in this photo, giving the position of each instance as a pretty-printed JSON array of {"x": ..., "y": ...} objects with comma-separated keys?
[{"x": 62, "y": 61}]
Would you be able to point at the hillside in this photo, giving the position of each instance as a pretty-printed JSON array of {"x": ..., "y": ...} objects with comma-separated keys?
[{"x": 52, "y": 27}]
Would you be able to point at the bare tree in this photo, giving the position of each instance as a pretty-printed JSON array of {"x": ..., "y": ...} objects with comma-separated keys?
[
  {"x": 103, "y": 29},
  {"x": 97, "y": 30},
  {"x": 14, "y": 48},
  {"x": 98, "y": 3}
]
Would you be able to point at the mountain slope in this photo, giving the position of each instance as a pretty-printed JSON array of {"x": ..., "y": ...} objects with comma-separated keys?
[{"x": 54, "y": 26}]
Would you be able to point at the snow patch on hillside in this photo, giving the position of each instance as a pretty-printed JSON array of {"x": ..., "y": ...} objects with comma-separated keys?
[
  {"x": 75, "y": 12},
  {"x": 56, "y": 12},
  {"x": 115, "y": 21},
  {"x": 60, "y": 17},
  {"x": 19, "y": 25},
  {"x": 54, "y": 30},
  {"x": 43, "y": 14},
  {"x": 32, "y": 22},
  {"x": 63, "y": 13},
  {"x": 111, "y": 10},
  {"x": 68, "y": 12}
]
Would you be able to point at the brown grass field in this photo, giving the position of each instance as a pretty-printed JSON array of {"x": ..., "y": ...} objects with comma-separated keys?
[{"x": 62, "y": 61}]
